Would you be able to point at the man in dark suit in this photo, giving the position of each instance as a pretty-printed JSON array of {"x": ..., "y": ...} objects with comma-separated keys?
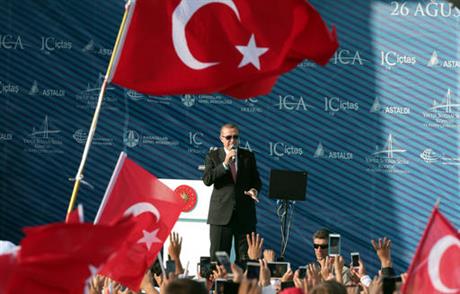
[{"x": 232, "y": 211}]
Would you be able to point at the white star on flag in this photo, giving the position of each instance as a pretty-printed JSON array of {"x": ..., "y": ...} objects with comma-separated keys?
[
  {"x": 251, "y": 53},
  {"x": 149, "y": 238}
]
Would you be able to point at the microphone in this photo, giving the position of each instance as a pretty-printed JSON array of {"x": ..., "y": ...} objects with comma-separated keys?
[{"x": 234, "y": 147}]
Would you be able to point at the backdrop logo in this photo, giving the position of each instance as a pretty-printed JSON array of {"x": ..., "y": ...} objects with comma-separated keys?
[
  {"x": 6, "y": 136},
  {"x": 387, "y": 159},
  {"x": 44, "y": 139},
  {"x": 50, "y": 44},
  {"x": 87, "y": 98},
  {"x": 435, "y": 61},
  {"x": 336, "y": 104},
  {"x": 195, "y": 142},
  {"x": 131, "y": 139},
  {"x": 188, "y": 100},
  {"x": 281, "y": 149},
  {"x": 292, "y": 103},
  {"x": 431, "y": 157},
  {"x": 347, "y": 57},
  {"x": 11, "y": 42},
  {"x": 444, "y": 113},
  {"x": 429, "y": 9},
  {"x": 135, "y": 96},
  {"x": 322, "y": 153},
  {"x": 91, "y": 47},
  {"x": 35, "y": 91},
  {"x": 250, "y": 105},
  {"x": 81, "y": 135},
  {"x": 7, "y": 88},
  {"x": 391, "y": 59},
  {"x": 377, "y": 107}
]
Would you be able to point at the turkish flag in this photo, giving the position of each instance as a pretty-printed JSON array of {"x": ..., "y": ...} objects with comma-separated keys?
[
  {"x": 156, "y": 208},
  {"x": 235, "y": 47},
  {"x": 61, "y": 258},
  {"x": 436, "y": 264}
]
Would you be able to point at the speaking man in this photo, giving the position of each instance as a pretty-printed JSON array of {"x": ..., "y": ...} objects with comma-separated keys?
[{"x": 232, "y": 211}]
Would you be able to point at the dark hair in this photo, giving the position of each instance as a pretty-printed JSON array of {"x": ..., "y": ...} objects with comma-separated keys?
[
  {"x": 329, "y": 287},
  {"x": 322, "y": 233},
  {"x": 185, "y": 286},
  {"x": 229, "y": 126}
]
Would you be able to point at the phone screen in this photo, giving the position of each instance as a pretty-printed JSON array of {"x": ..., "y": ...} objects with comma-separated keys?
[
  {"x": 355, "y": 259},
  {"x": 253, "y": 270},
  {"x": 224, "y": 260},
  {"x": 170, "y": 267},
  {"x": 334, "y": 244},
  {"x": 278, "y": 269},
  {"x": 302, "y": 272}
]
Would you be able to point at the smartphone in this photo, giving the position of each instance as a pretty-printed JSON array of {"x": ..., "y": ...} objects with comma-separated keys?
[
  {"x": 205, "y": 266},
  {"x": 287, "y": 284},
  {"x": 223, "y": 286},
  {"x": 224, "y": 260},
  {"x": 302, "y": 272},
  {"x": 334, "y": 245},
  {"x": 354, "y": 259},
  {"x": 170, "y": 267},
  {"x": 278, "y": 268},
  {"x": 252, "y": 270}
]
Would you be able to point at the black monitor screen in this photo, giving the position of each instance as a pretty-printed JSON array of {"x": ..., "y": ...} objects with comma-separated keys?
[{"x": 288, "y": 185}]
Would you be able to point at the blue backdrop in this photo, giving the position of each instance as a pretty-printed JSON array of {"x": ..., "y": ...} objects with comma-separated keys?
[{"x": 377, "y": 128}]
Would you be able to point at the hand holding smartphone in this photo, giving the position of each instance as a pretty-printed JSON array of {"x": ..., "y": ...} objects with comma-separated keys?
[{"x": 224, "y": 260}]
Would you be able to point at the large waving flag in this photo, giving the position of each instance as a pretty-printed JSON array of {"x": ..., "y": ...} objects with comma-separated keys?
[
  {"x": 156, "y": 208},
  {"x": 435, "y": 267},
  {"x": 235, "y": 47},
  {"x": 60, "y": 258}
]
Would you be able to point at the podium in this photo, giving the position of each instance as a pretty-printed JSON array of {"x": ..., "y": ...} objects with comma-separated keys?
[{"x": 287, "y": 187}]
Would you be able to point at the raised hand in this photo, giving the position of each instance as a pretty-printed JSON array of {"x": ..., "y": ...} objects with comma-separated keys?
[
  {"x": 175, "y": 246},
  {"x": 255, "y": 243},
  {"x": 383, "y": 250},
  {"x": 269, "y": 255}
]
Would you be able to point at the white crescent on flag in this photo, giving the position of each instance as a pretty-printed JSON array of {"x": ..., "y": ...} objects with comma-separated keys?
[
  {"x": 434, "y": 260},
  {"x": 141, "y": 207},
  {"x": 180, "y": 18}
]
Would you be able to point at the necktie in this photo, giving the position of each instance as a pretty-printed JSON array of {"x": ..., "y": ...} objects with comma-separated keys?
[{"x": 233, "y": 170}]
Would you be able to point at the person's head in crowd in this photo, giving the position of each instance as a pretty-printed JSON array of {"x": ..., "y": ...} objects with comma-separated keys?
[
  {"x": 185, "y": 286},
  {"x": 320, "y": 243},
  {"x": 329, "y": 287},
  {"x": 229, "y": 136}
]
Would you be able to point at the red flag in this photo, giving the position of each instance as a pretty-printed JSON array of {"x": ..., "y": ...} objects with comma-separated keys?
[
  {"x": 60, "y": 258},
  {"x": 436, "y": 264},
  {"x": 155, "y": 207},
  {"x": 235, "y": 47}
]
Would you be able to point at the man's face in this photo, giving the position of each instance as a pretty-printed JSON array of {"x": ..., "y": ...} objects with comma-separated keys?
[
  {"x": 229, "y": 137},
  {"x": 320, "y": 247}
]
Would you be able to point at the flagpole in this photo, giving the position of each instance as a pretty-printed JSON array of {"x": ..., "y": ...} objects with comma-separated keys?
[{"x": 92, "y": 129}]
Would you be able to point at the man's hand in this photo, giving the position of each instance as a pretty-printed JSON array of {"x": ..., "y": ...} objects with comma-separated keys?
[
  {"x": 252, "y": 193},
  {"x": 383, "y": 250},
  {"x": 264, "y": 274},
  {"x": 269, "y": 255},
  {"x": 230, "y": 157},
  {"x": 255, "y": 244},
  {"x": 175, "y": 246}
]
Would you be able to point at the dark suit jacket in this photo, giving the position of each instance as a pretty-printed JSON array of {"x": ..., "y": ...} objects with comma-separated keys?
[{"x": 227, "y": 195}]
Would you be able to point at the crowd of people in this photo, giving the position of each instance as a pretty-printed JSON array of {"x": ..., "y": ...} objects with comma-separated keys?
[{"x": 327, "y": 274}]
